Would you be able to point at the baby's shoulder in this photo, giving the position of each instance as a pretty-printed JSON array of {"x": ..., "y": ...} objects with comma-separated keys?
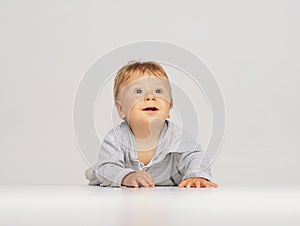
[
  {"x": 181, "y": 138},
  {"x": 119, "y": 131},
  {"x": 175, "y": 131}
]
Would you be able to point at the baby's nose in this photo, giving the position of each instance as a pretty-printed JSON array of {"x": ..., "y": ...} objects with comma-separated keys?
[{"x": 150, "y": 97}]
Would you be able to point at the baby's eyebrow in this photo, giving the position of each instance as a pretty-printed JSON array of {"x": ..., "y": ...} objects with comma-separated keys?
[
  {"x": 133, "y": 83},
  {"x": 142, "y": 84},
  {"x": 133, "y": 86}
]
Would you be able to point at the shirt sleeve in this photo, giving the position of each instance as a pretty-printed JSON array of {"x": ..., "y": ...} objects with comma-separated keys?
[
  {"x": 193, "y": 161},
  {"x": 110, "y": 168},
  {"x": 195, "y": 164}
]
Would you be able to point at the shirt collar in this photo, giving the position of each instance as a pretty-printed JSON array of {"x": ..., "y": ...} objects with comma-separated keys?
[{"x": 131, "y": 139}]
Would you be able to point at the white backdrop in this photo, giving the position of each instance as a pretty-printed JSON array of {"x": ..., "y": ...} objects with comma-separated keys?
[{"x": 252, "y": 48}]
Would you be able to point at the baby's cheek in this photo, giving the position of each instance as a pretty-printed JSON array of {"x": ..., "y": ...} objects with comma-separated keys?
[
  {"x": 165, "y": 97},
  {"x": 129, "y": 104}
]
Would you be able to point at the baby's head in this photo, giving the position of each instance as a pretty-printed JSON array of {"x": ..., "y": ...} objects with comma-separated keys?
[{"x": 142, "y": 92}]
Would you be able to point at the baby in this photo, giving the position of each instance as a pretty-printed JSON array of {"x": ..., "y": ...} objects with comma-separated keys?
[{"x": 146, "y": 149}]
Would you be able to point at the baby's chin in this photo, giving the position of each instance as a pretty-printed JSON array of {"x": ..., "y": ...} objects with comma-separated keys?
[
  {"x": 156, "y": 121},
  {"x": 150, "y": 121}
]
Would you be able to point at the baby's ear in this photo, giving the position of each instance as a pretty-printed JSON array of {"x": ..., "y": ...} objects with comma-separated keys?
[
  {"x": 171, "y": 105},
  {"x": 120, "y": 109}
]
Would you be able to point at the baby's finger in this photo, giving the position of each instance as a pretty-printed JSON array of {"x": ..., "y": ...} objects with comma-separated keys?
[
  {"x": 182, "y": 184},
  {"x": 204, "y": 184},
  {"x": 142, "y": 181},
  {"x": 198, "y": 184},
  {"x": 189, "y": 184},
  {"x": 149, "y": 181},
  {"x": 207, "y": 185},
  {"x": 213, "y": 184},
  {"x": 133, "y": 184}
]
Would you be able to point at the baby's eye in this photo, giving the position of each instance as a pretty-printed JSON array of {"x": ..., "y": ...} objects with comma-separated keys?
[
  {"x": 158, "y": 91},
  {"x": 138, "y": 91}
]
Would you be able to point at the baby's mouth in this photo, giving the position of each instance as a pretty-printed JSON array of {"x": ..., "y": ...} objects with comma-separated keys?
[{"x": 150, "y": 109}]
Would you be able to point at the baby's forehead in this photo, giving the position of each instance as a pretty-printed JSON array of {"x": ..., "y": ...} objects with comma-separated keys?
[{"x": 145, "y": 79}]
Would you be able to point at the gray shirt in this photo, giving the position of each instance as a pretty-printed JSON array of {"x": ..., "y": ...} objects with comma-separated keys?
[{"x": 176, "y": 158}]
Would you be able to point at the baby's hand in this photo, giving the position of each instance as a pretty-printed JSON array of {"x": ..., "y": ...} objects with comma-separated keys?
[
  {"x": 197, "y": 182},
  {"x": 138, "y": 178}
]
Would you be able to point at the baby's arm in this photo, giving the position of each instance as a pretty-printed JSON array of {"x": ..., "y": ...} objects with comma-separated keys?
[
  {"x": 110, "y": 167},
  {"x": 195, "y": 166}
]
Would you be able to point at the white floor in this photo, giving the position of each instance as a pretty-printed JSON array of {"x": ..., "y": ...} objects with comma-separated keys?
[{"x": 93, "y": 205}]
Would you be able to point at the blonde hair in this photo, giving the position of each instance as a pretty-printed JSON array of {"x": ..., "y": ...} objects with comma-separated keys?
[{"x": 137, "y": 67}]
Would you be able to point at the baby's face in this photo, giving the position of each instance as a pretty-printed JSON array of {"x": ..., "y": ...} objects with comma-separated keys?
[{"x": 144, "y": 98}]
